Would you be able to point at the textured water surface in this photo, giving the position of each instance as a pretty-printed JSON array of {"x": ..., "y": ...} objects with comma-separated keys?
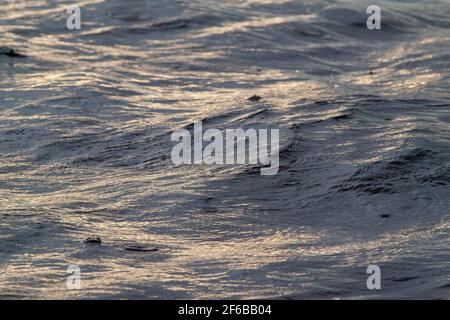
[{"x": 85, "y": 126}]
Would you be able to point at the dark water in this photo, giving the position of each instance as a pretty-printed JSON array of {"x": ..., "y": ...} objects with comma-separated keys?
[{"x": 85, "y": 146}]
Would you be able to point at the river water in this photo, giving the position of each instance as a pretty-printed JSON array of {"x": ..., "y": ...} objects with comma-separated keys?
[{"x": 85, "y": 125}]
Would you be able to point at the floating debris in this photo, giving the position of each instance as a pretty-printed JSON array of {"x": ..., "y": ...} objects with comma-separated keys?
[
  {"x": 10, "y": 53},
  {"x": 174, "y": 24},
  {"x": 385, "y": 215},
  {"x": 94, "y": 239},
  {"x": 254, "y": 98},
  {"x": 141, "y": 249},
  {"x": 341, "y": 117}
]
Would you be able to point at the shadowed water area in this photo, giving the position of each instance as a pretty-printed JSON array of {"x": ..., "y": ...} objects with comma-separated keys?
[{"x": 85, "y": 126}]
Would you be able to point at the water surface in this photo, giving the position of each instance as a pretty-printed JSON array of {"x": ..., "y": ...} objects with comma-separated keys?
[{"x": 85, "y": 146}]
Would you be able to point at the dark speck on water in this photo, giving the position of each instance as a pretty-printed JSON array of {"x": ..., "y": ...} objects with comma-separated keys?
[
  {"x": 93, "y": 239},
  {"x": 11, "y": 53},
  {"x": 141, "y": 249},
  {"x": 254, "y": 98}
]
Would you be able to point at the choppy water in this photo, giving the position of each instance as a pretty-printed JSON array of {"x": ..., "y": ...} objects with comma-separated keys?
[{"x": 85, "y": 128}]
